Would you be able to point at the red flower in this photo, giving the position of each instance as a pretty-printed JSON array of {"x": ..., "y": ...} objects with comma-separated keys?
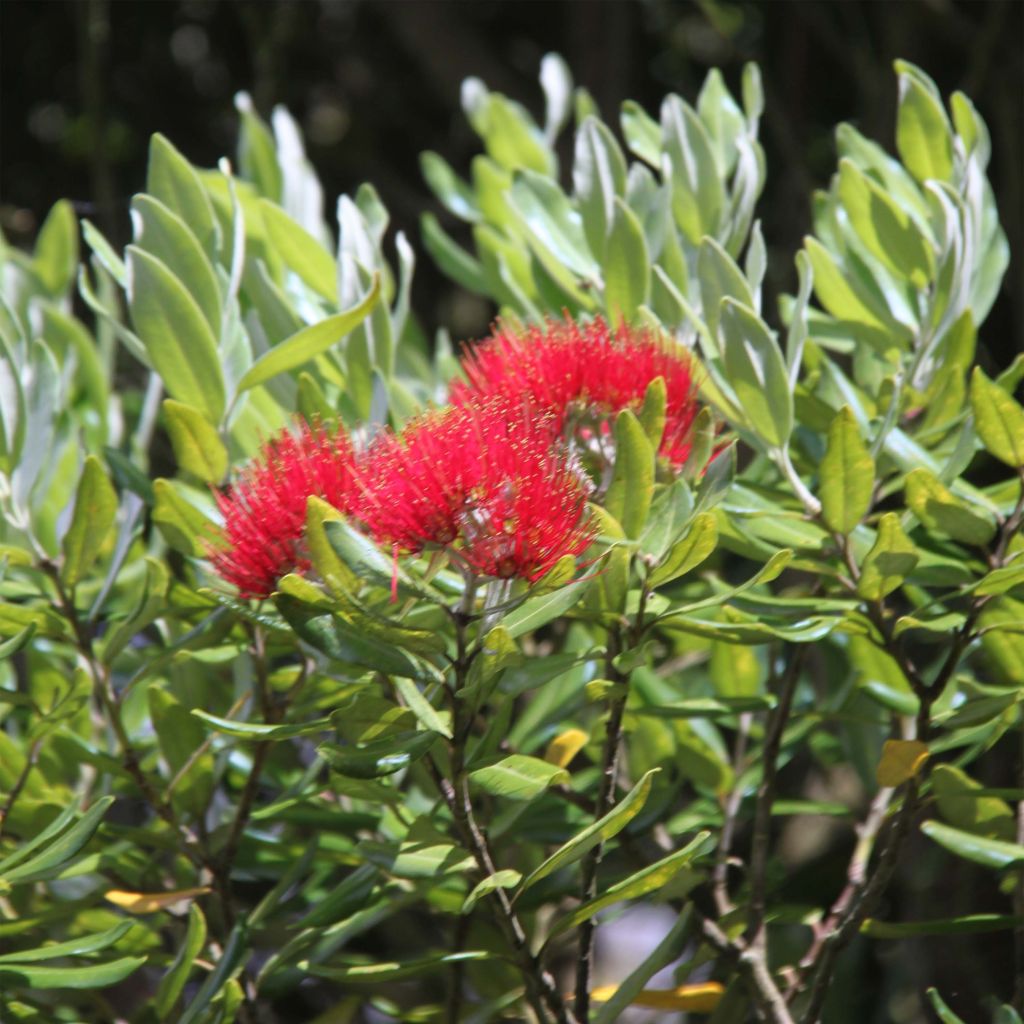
[
  {"x": 414, "y": 485},
  {"x": 265, "y": 511},
  {"x": 582, "y": 373},
  {"x": 483, "y": 481}
]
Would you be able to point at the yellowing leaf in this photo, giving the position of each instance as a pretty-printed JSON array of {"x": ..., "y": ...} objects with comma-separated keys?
[
  {"x": 564, "y": 747},
  {"x": 901, "y": 760},
  {"x": 701, "y": 998},
  {"x": 148, "y": 903}
]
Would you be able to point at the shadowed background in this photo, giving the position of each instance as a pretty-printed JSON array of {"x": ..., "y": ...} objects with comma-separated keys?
[{"x": 375, "y": 82}]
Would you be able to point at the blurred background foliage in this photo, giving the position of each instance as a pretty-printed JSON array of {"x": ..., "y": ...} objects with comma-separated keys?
[{"x": 373, "y": 83}]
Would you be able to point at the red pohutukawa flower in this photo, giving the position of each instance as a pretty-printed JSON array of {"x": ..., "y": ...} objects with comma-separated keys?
[
  {"x": 580, "y": 374},
  {"x": 483, "y": 481},
  {"x": 265, "y": 511}
]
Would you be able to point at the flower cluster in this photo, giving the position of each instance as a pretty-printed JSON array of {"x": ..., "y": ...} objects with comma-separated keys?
[
  {"x": 585, "y": 373},
  {"x": 482, "y": 480},
  {"x": 265, "y": 511},
  {"x": 490, "y": 479}
]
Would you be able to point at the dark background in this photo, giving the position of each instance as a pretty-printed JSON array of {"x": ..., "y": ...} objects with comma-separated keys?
[{"x": 375, "y": 82}]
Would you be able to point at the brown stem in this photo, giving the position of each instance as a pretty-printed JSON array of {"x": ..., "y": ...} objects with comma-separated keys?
[
  {"x": 605, "y": 799},
  {"x": 541, "y": 988},
  {"x": 769, "y": 1003},
  {"x": 19, "y": 784},
  {"x": 860, "y": 906},
  {"x": 766, "y": 798},
  {"x": 856, "y": 876},
  {"x": 1018, "y": 932},
  {"x": 720, "y": 873}
]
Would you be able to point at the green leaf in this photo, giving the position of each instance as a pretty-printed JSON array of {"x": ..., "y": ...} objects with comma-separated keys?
[
  {"x": 184, "y": 527},
  {"x": 641, "y": 132},
  {"x": 178, "y": 340},
  {"x": 457, "y": 197},
  {"x": 886, "y": 229},
  {"x": 599, "y": 832},
  {"x": 391, "y": 970},
  {"x": 171, "y": 179},
  {"x": 310, "y": 342},
  {"x": 650, "y": 879},
  {"x": 163, "y": 234},
  {"x": 453, "y": 260},
  {"x": 18, "y": 641},
  {"x": 698, "y": 196},
  {"x": 518, "y": 777},
  {"x": 834, "y": 291},
  {"x": 95, "y": 510},
  {"x": 668, "y": 950},
  {"x": 923, "y": 136},
  {"x": 632, "y": 487},
  {"x": 299, "y": 251},
  {"x": 688, "y": 553},
  {"x": 257, "y": 154},
  {"x": 757, "y": 372},
  {"x": 598, "y": 177},
  {"x": 426, "y": 714},
  {"x": 229, "y": 963},
  {"x": 719, "y": 278},
  {"x": 340, "y": 580},
  {"x": 549, "y": 217},
  {"x": 51, "y": 860},
  {"x": 847, "y": 474},
  {"x": 891, "y": 559},
  {"x": 55, "y": 978},
  {"x": 626, "y": 265},
  {"x": 172, "y": 984},
  {"x": 538, "y": 611},
  {"x": 999, "y": 581},
  {"x": 735, "y": 670},
  {"x": 998, "y": 419},
  {"x": 963, "y": 807},
  {"x": 382, "y": 757},
  {"x": 196, "y": 443},
  {"x": 55, "y": 260},
  {"x": 967, "y": 924},
  {"x": 938, "y": 509},
  {"x": 345, "y": 643},
  {"x": 945, "y": 1014},
  {"x": 259, "y": 730},
  {"x": 73, "y": 947},
  {"x": 511, "y": 137},
  {"x": 990, "y": 853},
  {"x": 505, "y": 879}
]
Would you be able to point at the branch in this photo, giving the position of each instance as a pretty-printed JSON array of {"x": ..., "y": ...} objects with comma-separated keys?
[
  {"x": 860, "y": 906},
  {"x": 768, "y": 999},
  {"x": 766, "y": 798},
  {"x": 605, "y": 799},
  {"x": 720, "y": 873}
]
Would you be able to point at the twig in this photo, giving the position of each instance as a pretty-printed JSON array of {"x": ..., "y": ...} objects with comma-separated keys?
[
  {"x": 1018, "y": 932},
  {"x": 766, "y": 798},
  {"x": 860, "y": 906},
  {"x": 605, "y": 799},
  {"x": 541, "y": 988},
  {"x": 856, "y": 875},
  {"x": 768, "y": 999},
  {"x": 19, "y": 783},
  {"x": 720, "y": 873}
]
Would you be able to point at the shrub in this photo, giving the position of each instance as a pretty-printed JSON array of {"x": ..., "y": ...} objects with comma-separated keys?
[{"x": 321, "y": 694}]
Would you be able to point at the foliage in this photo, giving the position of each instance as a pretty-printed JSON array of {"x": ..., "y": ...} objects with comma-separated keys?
[{"x": 394, "y": 769}]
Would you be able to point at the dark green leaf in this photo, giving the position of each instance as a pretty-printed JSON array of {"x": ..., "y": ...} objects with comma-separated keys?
[{"x": 382, "y": 757}]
